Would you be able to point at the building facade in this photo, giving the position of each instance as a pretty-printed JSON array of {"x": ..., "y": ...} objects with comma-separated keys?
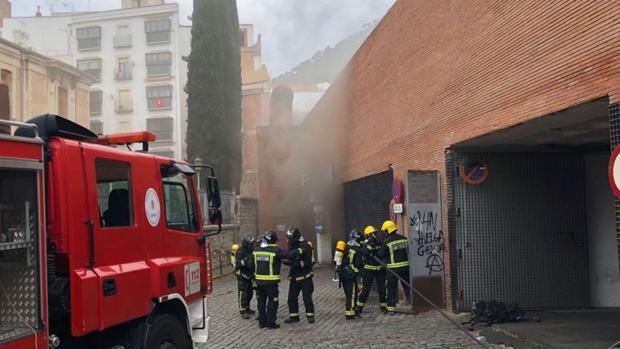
[
  {"x": 32, "y": 84},
  {"x": 134, "y": 54},
  {"x": 255, "y": 90},
  {"x": 492, "y": 126}
]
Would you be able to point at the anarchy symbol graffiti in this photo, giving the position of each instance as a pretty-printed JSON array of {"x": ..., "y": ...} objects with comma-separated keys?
[{"x": 434, "y": 263}]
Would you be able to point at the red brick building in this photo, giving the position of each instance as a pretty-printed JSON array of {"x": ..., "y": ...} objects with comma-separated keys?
[
  {"x": 511, "y": 107},
  {"x": 256, "y": 86}
]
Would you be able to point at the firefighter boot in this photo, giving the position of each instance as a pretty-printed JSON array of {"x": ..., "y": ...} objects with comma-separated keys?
[
  {"x": 291, "y": 320},
  {"x": 311, "y": 319}
]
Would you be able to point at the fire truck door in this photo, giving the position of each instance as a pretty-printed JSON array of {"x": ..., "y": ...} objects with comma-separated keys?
[
  {"x": 183, "y": 226},
  {"x": 117, "y": 246}
]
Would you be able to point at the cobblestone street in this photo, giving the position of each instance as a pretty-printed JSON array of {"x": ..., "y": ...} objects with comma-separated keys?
[{"x": 374, "y": 330}]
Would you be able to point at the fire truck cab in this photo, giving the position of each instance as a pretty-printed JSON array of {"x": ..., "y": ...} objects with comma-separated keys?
[{"x": 100, "y": 246}]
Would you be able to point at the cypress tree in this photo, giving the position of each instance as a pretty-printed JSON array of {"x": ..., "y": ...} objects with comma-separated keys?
[{"x": 214, "y": 89}]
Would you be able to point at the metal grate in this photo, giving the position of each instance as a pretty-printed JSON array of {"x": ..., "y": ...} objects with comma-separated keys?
[
  {"x": 450, "y": 174},
  {"x": 522, "y": 233},
  {"x": 367, "y": 201},
  {"x": 614, "y": 136}
]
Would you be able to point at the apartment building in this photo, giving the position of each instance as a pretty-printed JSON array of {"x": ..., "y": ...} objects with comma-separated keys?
[{"x": 134, "y": 55}]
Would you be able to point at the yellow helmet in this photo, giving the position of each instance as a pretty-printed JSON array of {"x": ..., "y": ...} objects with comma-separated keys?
[
  {"x": 234, "y": 248},
  {"x": 340, "y": 245},
  {"x": 310, "y": 243},
  {"x": 389, "y": 227},
  {"x": 369, "y": 230}
]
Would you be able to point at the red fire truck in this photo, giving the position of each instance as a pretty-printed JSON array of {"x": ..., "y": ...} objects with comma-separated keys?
[{"x": 100, "y": 246}]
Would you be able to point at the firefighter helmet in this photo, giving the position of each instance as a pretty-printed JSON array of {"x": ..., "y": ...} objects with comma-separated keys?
[
  {"x": 369, "y": 230},
  {"x": 356, "y": 235},
  {"x": 389, "y": 227},
  {"x": 248, "y": 240},
  {"x": 271, "y": 237},
  {"x": 234, "y": 248},
  {"x": 340, "y": 246},
  {"x": 293, "y": 234}
]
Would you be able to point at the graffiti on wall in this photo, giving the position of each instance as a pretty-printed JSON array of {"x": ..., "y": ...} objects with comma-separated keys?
[{"x": 426, "y": 238}]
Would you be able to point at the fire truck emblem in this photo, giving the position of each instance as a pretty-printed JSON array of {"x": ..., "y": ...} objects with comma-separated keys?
[{"x": 152, "y": 208}]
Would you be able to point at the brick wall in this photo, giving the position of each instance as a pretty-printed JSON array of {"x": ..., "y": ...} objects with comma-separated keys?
[{"x": 434, "y": 73}]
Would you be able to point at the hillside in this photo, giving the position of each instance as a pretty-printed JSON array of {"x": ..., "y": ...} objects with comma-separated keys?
[{"x": 324, "y": 66}]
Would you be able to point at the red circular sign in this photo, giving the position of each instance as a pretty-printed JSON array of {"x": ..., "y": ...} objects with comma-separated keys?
[
  {"x": 613, "y": 172},
  {"x": 474, "y": 171}
]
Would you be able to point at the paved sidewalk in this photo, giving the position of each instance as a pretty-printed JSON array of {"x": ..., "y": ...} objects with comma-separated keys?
[{"x": 374, "y": 330}]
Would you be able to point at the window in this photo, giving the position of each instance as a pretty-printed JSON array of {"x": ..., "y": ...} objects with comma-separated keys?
[
  {"x": 122, "y": 37},
  {"x": 123, "y": 69},
  {"x": 114, "y": 193},
  {"x": 179, "y": 200},
  {"x": 162, "y": 127},
  {"x": 96, "y": 126},
  {"x": 96, "y": 101},
  {"x": 88, "y": 38},
  {"x": 158, "y": 63},
  {"x": 90, "y": 67},
  {"x": 124, "y": 126},
  {"x": 243, "y": 33},
  {"x": 125, "y": 102},
  {"x": 6, "y": 80},
  {"x": 157, "y": 31},
  {"x": 159, "y": 97},
  {"x": 63, "y": 102}
]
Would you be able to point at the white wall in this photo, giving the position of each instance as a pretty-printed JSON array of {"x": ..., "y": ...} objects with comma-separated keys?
[
  {"x": 46, "y": 35},
  {"x": 602, "y": 237}
]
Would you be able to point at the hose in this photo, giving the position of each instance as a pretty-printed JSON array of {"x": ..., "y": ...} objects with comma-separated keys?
[{"x": 433, "y": 305}]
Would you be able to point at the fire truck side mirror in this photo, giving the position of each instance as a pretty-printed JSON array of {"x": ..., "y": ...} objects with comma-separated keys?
[
  {"x": 215, "y": 201},
  {"x": 213, "y": 192}
]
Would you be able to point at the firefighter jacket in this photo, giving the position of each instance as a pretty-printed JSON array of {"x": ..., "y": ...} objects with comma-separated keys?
[
  {"x": 266, "y": 262},
  {"x": 301, "y": 267},
  {"x": 396, "y": 251},
  {"x": 352, "y": 262},
  {"x": 370, "y": 249},
  {"x": 242, "y": 266}
]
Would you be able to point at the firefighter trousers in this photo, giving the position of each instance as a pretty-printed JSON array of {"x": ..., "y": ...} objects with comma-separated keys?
[
  {"x": 267, "y": 303},
  {"x": 368, "y": 276},
  {"x": 306, "y": 287},
  {"x": 244, "y": 294},
  {"x": 351, "y": 288},
  {"x": 391, "y": 284}
]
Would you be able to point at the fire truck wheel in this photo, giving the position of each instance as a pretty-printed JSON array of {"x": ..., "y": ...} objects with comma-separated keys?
[{"x": 167, "y": 333}]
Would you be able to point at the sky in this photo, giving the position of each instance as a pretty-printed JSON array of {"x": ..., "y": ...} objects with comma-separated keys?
[{"x": 292, "y": 30}]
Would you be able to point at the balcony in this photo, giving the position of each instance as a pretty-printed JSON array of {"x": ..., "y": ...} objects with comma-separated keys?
[
  {"x": 124, "y": 107},
  {"x": 123, "y": 74},
  {"x": 122, "y": 40}
]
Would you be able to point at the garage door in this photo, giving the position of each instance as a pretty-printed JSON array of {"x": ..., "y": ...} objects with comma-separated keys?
[
  {"x": 367, "y": 201},
  {"x": 521, "y": 234}
]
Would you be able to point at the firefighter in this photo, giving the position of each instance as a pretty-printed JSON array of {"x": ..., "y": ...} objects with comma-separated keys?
[
  {"x": 300, "y": 276},
  {"x": 349, "y": 271},
  {"x": 395, "y": 248},
  {"x": 266, "y": 263},
  {"x": 372, "y": 270},
  {"x": 244, "y": 275}
]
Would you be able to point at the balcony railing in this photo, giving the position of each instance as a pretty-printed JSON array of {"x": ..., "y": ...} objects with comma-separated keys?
[
  {"x": 123, "y": 74},
  {"x": 125, "y": 107},
  {"x": 122, "y": 40}
]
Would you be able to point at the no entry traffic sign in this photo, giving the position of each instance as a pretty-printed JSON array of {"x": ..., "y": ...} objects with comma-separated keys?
[{"x": 614, "y": 172}]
